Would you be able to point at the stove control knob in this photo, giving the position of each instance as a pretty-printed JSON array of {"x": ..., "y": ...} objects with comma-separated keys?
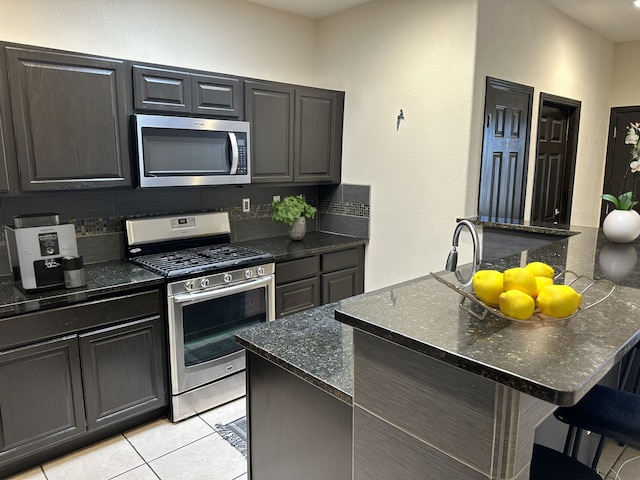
[
  {"x": 248, "y": 273},
  {"x": 204, "y": 283},
  {"x": 227, "y": 277},
  {"x": 260, "y": 270},
  {"x": 188, "y": 285}
]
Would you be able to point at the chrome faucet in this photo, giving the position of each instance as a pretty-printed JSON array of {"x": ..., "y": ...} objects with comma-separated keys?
[{"x": 452, "y": 258}]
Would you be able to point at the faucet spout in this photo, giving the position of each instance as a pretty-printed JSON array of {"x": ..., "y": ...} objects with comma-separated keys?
[{"x": 452, "y": 258}]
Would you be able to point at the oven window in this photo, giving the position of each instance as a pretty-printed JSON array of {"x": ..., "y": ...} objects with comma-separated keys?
[{"x": 209, "y": 326}]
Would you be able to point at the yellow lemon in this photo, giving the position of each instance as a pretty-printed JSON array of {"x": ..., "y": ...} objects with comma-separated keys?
[
  {"x": 542, "y": 282},
  {"x": 487, "y": 285},
  {"x": 520, "y": 279},
  {"x": 517, "y": 304},
  {"x": 558, "y": 300},
  {"x": 540, "y": 269}
]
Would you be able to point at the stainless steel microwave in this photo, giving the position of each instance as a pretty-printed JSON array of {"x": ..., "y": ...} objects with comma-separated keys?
[{"x": 186, "y": 151}]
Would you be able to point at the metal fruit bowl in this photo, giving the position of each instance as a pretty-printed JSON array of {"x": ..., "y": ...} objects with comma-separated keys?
[{"x": 581, "y": 283}]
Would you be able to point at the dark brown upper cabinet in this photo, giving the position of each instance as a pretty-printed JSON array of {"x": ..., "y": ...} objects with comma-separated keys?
[
  {"x": 270, "y": 111},
  {"x": 8, "y": 168},
  {"x": 183, "y": 92},
  {"x": 318, "y": 135},
  {"x": 296, "y": 133},
  {"x": 70, "y": 119}
]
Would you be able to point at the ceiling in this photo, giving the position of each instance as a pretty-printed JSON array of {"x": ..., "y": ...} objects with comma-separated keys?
[{"x": 616, "y": 20}]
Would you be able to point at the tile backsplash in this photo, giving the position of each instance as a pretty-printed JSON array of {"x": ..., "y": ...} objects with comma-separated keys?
[{"x": 99, "y": 216}]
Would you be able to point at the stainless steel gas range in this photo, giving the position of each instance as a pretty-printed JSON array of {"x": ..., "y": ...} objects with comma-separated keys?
[{"x": 213, "y": 289}]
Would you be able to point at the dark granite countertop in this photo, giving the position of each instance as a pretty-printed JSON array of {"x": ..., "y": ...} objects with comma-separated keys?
[
  {"x": 102, "y": 279},
  {"x": 555, "y": 361},
  {"x": 114, "y": 276},
  {"x": 283, "y": 248},
  {"x": 311, "y": 345}
]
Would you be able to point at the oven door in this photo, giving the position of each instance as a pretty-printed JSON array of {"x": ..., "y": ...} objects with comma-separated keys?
[{"x": 202, "y": 325}]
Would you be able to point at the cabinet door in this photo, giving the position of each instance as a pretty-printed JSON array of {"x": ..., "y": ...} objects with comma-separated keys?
[
  {"x": 269, "y": 107},
  {"x": 217, "y": 96},
  {"x": 318, "y": 135},
  {"x": 123, "y": 372},
  {"x": 339, "y": 285},
  {"x": 8, "y": 168},
  {"x": 161, "y": 90},
  {"x": 70, "y": 121},
  {"x": 40, "y": 397},
  {"x": 297, "y": 296}
]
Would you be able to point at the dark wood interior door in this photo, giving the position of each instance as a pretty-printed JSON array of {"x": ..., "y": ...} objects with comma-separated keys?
[
  {"x": 505, "y": 147},
  {"x": 618, "y": 155},
  {"x": 555, "y": 159}
]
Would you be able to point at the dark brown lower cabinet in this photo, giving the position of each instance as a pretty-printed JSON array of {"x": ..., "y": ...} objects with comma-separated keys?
[
  {"x": 104, "y": 373},
  {"x": 122, "y": 368},
  {"x": 318, "y": 279},
  {"x": 40, "y": 397}
]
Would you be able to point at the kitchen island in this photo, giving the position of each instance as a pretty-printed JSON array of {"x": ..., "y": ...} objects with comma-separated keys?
[{"x": 438, "y": 393}]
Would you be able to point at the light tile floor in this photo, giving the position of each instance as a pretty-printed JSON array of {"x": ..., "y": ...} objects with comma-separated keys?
[
  {"x": 190, "y": 449},
  {"x": 612, "y": 464}
]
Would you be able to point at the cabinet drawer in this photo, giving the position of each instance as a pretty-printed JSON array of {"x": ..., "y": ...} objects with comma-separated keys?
[
  {"x": 339, "y": 260},
  {"x": 296, "y": 269},
  {"x": 37, "y": 326}
]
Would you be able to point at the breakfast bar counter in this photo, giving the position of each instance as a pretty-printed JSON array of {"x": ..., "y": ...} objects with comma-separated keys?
[{"x": 438, "y": 393}]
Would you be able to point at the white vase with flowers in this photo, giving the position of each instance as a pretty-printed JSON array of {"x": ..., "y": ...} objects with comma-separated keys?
[{"x": 622, "y": 225}]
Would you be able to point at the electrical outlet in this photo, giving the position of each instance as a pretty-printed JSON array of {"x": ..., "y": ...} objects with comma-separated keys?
[
  {"x": 246, "y": 204},
  {"x": 276, "y": 198}
]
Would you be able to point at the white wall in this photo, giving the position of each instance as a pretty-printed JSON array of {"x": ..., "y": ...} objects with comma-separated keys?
[
  {"x": 227, "y": 36},
  {"x": 625, "y": 89},
  {"x": 416, "y": 56},
  {"x": 530, "y": 42}
]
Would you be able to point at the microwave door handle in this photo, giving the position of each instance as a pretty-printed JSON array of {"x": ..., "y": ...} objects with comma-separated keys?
[{"x": 234, "y": 153}]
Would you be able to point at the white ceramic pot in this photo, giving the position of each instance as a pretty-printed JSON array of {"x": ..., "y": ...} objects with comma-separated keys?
[
  {"x": 621, "y": 226},
  {"x": 298, "y": 229}
]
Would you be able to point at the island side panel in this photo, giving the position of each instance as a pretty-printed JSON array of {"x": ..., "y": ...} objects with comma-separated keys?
[
  {"x": 295, "y": 430},
  {"x": 464, "y": 425}
]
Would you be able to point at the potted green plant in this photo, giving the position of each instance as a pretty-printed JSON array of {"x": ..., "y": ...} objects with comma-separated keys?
[{"x": 293, "y": 210}]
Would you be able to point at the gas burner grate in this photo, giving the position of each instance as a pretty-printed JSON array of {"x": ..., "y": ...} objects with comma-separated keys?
[{"x": 201, "y": 259}]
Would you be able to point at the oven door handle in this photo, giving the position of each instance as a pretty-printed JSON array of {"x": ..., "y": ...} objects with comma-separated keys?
[{"x": 223, "y": 291}]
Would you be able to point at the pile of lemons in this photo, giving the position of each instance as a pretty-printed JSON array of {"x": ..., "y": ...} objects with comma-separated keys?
[{"x": 518, "y": 291}]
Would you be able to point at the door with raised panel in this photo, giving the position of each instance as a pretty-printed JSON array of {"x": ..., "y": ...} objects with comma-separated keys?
[
  {"x": 40, "y": 397},
  {"x": 505, "y": 147},
  {"x": 270, "y": 109},
  {"x": 122, "y": 368},
  {"x": 318, "y": 136},
  {"x": 161, "y": 90},
  {"x": 216, "y": 96},
  {"x": 70, "y": 119}
]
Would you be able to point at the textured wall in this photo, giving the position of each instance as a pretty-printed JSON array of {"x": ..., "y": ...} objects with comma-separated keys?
[
  {"x": 626, "y": 72},
  {"x": 531, "y": 43},
  {"x": 416, "y": 56}
]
